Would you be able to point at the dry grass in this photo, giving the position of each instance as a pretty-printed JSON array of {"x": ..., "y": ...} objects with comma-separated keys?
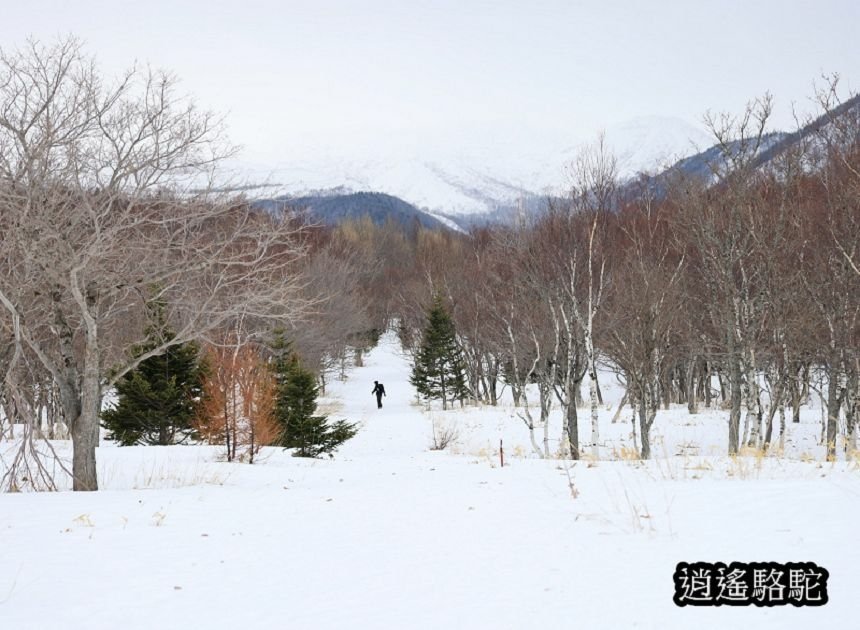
[
  {"x": 155, "y": 475},
  {"x": 165, "y": 476},
  {"x": 747, "y": 464},
  {"x": 626, "y": 454},
  {"x": 443, "y": 437}
]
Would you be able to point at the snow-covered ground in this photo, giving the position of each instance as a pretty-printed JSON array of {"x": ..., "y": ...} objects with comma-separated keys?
[{"x": 389, "y": 534}]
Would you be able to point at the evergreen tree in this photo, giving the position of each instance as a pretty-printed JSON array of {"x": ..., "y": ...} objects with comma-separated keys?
[
  {"x": 439, "y": 372},
  {"x": 295, "y": 408},
  {"x": 157, "y": 401}
]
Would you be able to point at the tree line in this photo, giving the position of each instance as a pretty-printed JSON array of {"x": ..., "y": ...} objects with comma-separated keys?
[
  {"x": 741, "y": 290},
  {"x": 111, "y": 201}
]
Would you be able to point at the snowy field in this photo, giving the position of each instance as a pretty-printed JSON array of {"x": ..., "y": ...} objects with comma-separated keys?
[{"x": 389, "y": 534}]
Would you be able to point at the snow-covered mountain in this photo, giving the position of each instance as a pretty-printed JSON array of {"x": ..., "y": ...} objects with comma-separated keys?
[
  {"x": 838, "y": 129},
  {"x": 460, "y": 174},
  {"x": 651, "y": 144}
]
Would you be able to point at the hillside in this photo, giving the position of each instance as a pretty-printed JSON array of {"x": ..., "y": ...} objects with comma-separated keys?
[
  {"x": 336, "y": 206},
  {"x": 469, "y": 174},
  {"x": 703, "y": 165},
  {"x": 476, "y": 180}
]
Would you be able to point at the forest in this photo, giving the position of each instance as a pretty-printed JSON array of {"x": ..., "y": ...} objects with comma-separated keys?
[{"x": 121, "y": 242}]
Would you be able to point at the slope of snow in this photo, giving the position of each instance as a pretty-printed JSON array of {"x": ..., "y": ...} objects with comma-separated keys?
[
  {"x": 654, "y": 143},
  {"x": 413, "y": 180},
  {"x": 463, "y": 174},
  {"x": 389, "y": 534}
]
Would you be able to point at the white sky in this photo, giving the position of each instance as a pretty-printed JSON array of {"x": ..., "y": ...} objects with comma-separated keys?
[{"x": 347, "y": 74}]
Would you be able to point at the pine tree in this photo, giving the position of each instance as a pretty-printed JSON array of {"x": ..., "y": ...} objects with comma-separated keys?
[
  {"x": 439, "y": 372},
  {"x": 295, "y": 408},
  {"x": 157, "y": 401}
]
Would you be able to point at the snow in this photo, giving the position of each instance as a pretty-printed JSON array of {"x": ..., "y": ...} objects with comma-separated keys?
[
  {"x": 389, "y": 534},
  {"x": 473, "y": 171},
  {"x": 653, "y": 143}
]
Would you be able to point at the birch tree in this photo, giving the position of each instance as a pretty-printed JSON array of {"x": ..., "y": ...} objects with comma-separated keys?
[
  {"x": 553, "y": 264},
  {"x": 831, "y": 275},
  {"x": 713, "y": 225},
  {"x": 595, "y": 175}
]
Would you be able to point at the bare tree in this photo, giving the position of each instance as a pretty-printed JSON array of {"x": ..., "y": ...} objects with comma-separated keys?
[
  {"x": 104, "y": 199},
  {"x": 642, "y": 313},
  {"x": 339, "y": 322},
  {"x": 594, "y": 195},
  {"x": 526, "y": 344},
  {"x": 837, "y": 300},
  {"x": 552, "y": 273},
  {"x": 713, "y": 225}
]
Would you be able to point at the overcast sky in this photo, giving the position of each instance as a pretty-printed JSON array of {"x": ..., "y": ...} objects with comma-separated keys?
[{"x": 295, "y": 73}]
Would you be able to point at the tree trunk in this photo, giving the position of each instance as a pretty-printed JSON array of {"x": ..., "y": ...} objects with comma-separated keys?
[
  {"x": 532, "y": 438},
  {"x": 735, "y": 412},
  {"x": 595, "y": 424},
  {"x": 754, "y": 410},
  {"x": 692, "y": 399},
  {"x": 85, "y": 427},
  {"x": 597, "y": 385},
  {"x": 852, "y": 396},
  {"x": 572, "y": 421},
  {"x": 621, "y": 405},
  {"x": 777, "y": 382},
  {"x": 852, "y": 406},
  {"x": 834, "y": 402},
  {"x": 227, "y": 428},
  {"x": 782, "y": 428},
  {"x": 666, "y": 391},
  {"x": 796, "y": 395},
  {"x": 546, "y": 394},
  {"x": 633, "y": 423},
  {"x": 526, "y": 417},
  {"x": 707, "y": 383},
  {"x": 516, "y": 393},
  {"x": 644, "y": 428},
  {"x": 493, "y": 389},
  {"x": 768, "y": 433}
]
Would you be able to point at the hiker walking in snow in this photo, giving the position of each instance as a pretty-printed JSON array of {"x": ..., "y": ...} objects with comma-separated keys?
[{"x": 379, "y": 390}]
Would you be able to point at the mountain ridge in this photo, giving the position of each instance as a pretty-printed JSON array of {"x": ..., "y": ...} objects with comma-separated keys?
[
  {"x": 460, "y": 195},
  {"x": 335, "y": 206}
]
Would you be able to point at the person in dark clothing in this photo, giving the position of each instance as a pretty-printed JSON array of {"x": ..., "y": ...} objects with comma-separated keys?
[{"x": 379, "y": 390}]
